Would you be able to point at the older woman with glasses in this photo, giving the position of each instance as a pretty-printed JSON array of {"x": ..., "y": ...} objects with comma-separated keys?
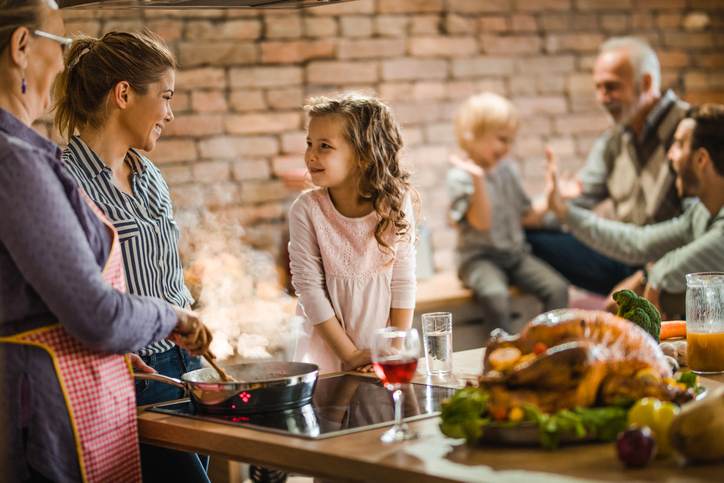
[{"x": 67, "y": 411}]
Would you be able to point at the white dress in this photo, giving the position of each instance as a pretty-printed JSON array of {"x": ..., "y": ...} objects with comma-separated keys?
[{"x": 339, "y": 269}]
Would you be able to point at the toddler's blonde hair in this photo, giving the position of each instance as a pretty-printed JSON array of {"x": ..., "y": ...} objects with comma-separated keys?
[{"x": 481, "y": 113}]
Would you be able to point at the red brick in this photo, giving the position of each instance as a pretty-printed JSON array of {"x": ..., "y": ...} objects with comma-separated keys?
[
  {"x": 370, "y": 48},
  {"x": 413, "y": 69},
  {"x": 573, "y": 42},
  {"x": 486, "y": 6},
  {"x": 580, "y": 83},
  {"x": 511, "y": 44},
  {"x": 688, "y": 40},
  {"x": 345, "y": 8},
  {"x": 668, "y": 21},
  {"x": 247, "y": 29},
  {"x": 247, "y": 169},
  {"x": 696, "y": 21},
  {"x": 528, "y": 146},
  {"x": 426, "y": 91},
  {"x": 522, "y": 86},
  {"x": 195, "y": 125},
  {"x": 254, "y": 215},
  {"x": 457, "y": 24},
  {"x": 393, "y": 91},
  {"x": 535, "y": 126},
  {"x": 220, "y": 194},
  {"x": 615, "y": 23},
  {"x": 482, "y": 66},
  {"x": 642, "y": 21},
  {"x": 524, "y": 23},
  {"x": 210, "y": 171},
  {"x": 493, "y": 24},
  {"x": 443, "y": 46},
  {"x": 296, "y": 51},
  {"x": 320, "y": 27},
  {"x": 427, "y": 155},
  {"x": 208, "y": 101},
  {"x": 412, "y": 136},
  {"x": 492, "y": 85},
  {"x": 188, "y": 196},
  {"x": 263, "y": 191},
  {"x": 706, "y": 4},
  {"x": 181, "y": 102},
  {"x": 247, "y": 100},
  {"x": 262, "y": 123},
  {"x": 460, "y": 89},
  {"x": 540, "y": 105},
  {"x": 71, "y": 15},
  {"x": 169, "y": 30},
  {"x": 195, "y": 78},
  {"x": 83, "y": 27},
  {"x": 562, "y": 145},
  {"x": 391, "y": 25},
  {"x": 294, "y": 142},
  {"x": 289, "y": 98},
  {"x": 235, "y": 147},
  {"x": 702, "y": 97},
  {"x": 336, "y": 73},
  {"x": 581, "y": 123},
  {"x": 289, "y": 162},
  {"x": 543, "y": 65},
  {"x": 442, "y": 132},
  {"x": 265, "y": 76},
  {"x": 555, "y": 22},
  {"x": 425, "y": 25},
  {"x": 661, "y": 4},
  {"x": 544, "y": 5},
  {"x": 604, "y": 4},
  {"x": 192, "y": 54},
  {"x": 283, "y": 26},
  {"x": 673, "y": 59},
  {"x": 410, "y": 113},
  {"x": 175, "y": 174},
  {"x": 410, "y": 6},
  {"x": 128, "y": 25},
  {"x": 356, "y": 26},
  {"x": 174, "y": 150},
  {"x": 711, "y": 61}
]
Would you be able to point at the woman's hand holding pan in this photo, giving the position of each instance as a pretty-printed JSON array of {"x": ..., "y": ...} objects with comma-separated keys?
[{"x": 190, "y": 333}]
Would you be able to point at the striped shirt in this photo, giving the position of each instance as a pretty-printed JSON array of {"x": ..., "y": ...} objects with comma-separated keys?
[
  {"x": 692, "y": 242},
  {"x": 146, "y": 228}
]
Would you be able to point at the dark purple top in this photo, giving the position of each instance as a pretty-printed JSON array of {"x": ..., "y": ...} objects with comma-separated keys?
[{"x": 52, "y": 249}]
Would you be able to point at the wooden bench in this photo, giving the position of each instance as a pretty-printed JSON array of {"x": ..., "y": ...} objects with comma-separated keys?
[{"x": 446, "y": 289}]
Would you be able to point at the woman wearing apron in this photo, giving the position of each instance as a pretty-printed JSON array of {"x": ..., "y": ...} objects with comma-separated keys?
[
  {"x": 112, "y": 100},
  {"x": 67, "y": 411}
]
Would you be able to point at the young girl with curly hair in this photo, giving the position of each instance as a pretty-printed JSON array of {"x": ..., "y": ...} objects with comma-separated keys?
[{"x": 351, "y": 248}]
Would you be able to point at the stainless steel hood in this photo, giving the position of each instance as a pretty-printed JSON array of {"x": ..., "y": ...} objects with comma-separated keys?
[{"x": 186, "y": 4}]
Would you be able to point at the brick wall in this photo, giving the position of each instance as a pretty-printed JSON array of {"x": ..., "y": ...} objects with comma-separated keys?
[{"x": 245, "y": 74}]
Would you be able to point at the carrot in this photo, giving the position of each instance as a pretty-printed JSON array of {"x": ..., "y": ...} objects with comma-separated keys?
[{"x": 672, "y": 329}]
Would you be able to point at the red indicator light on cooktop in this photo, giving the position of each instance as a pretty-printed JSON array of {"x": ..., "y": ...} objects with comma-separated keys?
[{"x": 245, "y": 397}]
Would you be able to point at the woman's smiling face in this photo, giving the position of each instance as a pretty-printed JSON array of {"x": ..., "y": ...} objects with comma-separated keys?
[{"x": 148, "y": 114}]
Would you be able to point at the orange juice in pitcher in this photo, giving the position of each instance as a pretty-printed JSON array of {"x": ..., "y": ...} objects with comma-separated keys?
[{"x": 705, "y": 322}]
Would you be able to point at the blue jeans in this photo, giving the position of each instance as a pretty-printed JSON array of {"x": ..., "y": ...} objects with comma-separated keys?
[
  {"x": 581, "y": 265},
  {"x": 163, "y": 464}
]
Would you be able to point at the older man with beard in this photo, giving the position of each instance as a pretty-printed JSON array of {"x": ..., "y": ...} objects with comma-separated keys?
[
  {"x": 691, "y": 242},
  {"x": 627, "y": 177}
]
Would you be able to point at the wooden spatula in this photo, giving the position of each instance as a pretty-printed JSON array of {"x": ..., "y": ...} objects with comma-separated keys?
[{"x": 222, "y": 373}]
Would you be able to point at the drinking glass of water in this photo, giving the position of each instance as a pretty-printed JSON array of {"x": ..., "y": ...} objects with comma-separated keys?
[{"x": 437, "y": 339}]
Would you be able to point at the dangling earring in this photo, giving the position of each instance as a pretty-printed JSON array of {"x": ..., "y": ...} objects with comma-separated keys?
[{"x": 23, "y": 84}]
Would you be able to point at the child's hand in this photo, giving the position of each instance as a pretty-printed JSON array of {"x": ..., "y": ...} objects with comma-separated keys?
[
  {"x": 555, "y": 200},
  {"x": 367, "y": 368},
  {"x": 466, "y": 164}
]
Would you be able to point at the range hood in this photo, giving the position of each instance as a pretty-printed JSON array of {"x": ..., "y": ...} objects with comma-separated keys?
[{"x": 186, "y": 4}]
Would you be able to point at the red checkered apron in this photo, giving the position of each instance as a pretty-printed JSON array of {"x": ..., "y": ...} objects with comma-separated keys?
[{"x": 98, "y": 390}]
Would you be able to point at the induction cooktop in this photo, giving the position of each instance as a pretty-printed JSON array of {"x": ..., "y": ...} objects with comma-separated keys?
[{"x": 341, "y": 404}]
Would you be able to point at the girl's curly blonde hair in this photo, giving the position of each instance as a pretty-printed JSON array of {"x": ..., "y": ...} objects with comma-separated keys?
[{"x": 375, "y": 137}]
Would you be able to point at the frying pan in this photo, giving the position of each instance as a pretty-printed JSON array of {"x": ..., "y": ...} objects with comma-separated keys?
[{"x": 257, "y": 387}]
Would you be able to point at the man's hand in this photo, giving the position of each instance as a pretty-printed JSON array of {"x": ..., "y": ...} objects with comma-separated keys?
[
  {"x": 635, "y": 283},
  {"x": 467, "y": 165},
  {"x": 140, "y": 366},
  {"x": 190, "y": 333},
  {"x": 555, "y": 199}
]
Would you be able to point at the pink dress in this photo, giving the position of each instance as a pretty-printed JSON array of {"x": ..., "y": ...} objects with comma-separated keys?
[{"x": 339, "y": 269}]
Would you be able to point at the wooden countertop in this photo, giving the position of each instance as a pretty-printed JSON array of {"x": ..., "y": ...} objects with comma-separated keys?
[{"x": 431, "y": 458}]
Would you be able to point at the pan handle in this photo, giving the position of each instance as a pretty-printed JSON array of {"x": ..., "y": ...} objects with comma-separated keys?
[{"x": 160, "y": 378}]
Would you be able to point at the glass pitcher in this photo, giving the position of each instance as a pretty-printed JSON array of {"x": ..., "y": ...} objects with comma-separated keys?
[{"x": 705, "y": 322}]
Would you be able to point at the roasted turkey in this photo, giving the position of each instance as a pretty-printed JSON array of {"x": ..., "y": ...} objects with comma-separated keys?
[{"x": 575, "y": 358}]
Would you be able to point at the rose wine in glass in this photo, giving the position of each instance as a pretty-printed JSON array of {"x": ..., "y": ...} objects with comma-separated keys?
[{"x": 394, "y": 356}]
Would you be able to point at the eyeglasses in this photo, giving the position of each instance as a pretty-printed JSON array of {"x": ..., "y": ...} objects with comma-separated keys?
[{"x": 63, "y": 41}]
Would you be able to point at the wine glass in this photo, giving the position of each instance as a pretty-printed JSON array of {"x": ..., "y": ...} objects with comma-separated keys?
[{"x": 394, "y": 357}]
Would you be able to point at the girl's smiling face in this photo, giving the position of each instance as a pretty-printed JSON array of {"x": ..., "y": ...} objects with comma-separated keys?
[{"x": 329, "y": 157}]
